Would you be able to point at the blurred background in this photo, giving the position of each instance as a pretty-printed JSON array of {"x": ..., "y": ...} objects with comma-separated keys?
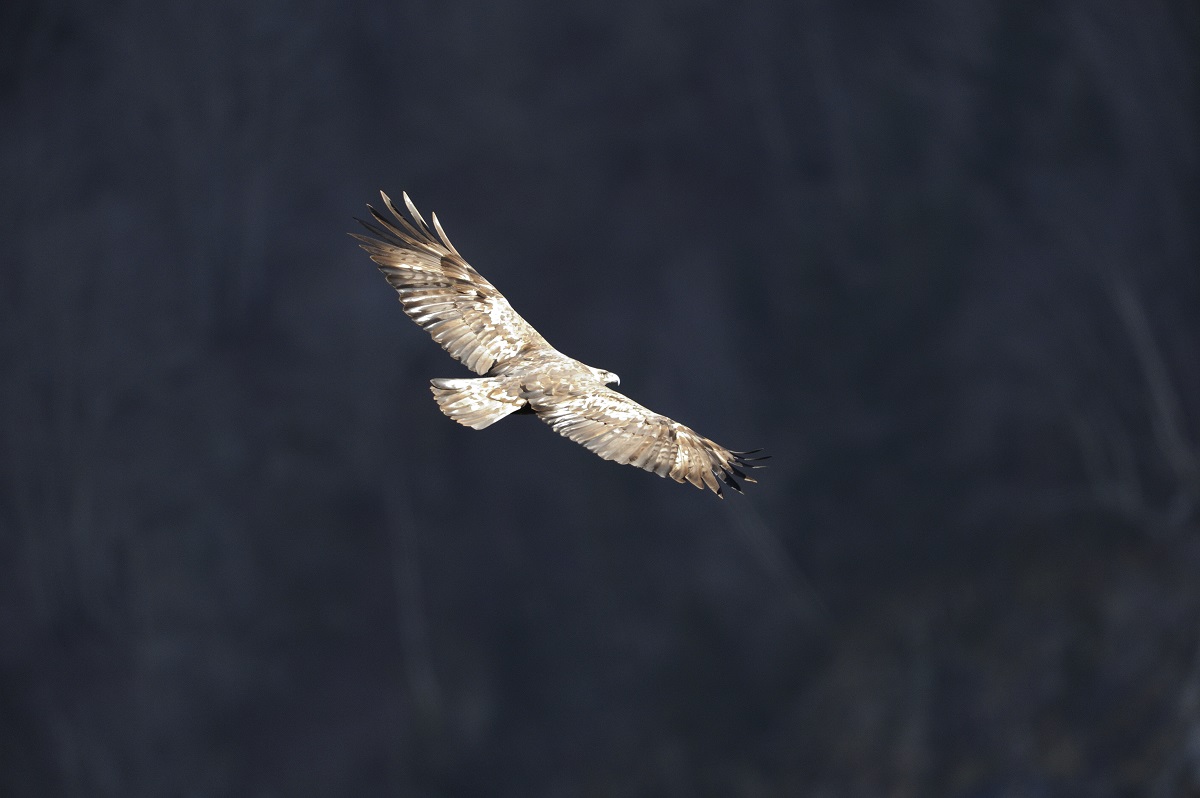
[{"x": 939, "y": 259}]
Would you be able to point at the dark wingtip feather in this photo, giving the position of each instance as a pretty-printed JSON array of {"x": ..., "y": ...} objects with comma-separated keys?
[
  {"x": 748, "y": 463},
  {"x": 381, "y": 234},
  {"x": 728, "y": 480}
]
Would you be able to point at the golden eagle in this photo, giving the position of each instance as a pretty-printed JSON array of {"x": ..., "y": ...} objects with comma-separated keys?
[{"x": 521, "y": 372}]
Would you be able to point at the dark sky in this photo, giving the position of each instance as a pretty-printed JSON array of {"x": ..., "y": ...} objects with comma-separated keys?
[{"x": 939, "y": 259}]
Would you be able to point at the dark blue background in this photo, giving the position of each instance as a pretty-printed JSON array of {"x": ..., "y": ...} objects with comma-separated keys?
[{"x": 939, "y": 258}]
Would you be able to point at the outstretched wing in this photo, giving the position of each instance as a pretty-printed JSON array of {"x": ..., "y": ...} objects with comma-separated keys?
[
  {"x": 441, "y": 292},
  {"x": 617, "y": 428}
]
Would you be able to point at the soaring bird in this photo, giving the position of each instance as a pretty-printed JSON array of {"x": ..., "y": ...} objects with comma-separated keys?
[{"x": 520, "y": 371}]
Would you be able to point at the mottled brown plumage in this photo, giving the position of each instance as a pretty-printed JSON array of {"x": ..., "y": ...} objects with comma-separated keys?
[{"x": 473, "y": 322}]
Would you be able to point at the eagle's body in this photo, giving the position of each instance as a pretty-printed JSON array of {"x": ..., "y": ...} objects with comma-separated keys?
[{"x": 521, "y": 372}]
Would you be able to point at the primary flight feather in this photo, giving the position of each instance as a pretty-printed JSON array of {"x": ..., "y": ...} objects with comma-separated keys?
[{"x": 473, "y": 321}]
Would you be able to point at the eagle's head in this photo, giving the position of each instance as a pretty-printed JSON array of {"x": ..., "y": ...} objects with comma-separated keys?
[{"x": 608, "y": 377}]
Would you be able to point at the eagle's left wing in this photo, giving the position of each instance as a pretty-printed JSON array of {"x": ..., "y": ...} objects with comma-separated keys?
[
  {"x": 617, "y": 428},
  {"x": 443, "y": 293}
]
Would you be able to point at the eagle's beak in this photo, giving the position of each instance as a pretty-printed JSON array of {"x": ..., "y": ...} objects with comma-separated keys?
[{"x": 616, "y": 379}]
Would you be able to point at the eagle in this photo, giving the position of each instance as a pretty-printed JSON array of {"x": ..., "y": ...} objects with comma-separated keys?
[{"x": 520, "y": 371}]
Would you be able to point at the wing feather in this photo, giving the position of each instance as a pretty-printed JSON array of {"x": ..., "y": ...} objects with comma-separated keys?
[
  {"x": 442, "y": 293},
  {"x": 617, "y": 428}
]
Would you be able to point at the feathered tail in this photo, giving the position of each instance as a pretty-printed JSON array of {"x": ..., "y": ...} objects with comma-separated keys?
[{"x": 477, "y": 403}]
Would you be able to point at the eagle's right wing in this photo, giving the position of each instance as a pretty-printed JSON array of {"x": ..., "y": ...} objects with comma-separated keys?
[
  {"x": 617, "y": 428},
  {"x": 441, "y": 292}
]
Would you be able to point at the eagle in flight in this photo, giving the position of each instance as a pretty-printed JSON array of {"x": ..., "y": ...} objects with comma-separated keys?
[{"x": 521, "y": 372}]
